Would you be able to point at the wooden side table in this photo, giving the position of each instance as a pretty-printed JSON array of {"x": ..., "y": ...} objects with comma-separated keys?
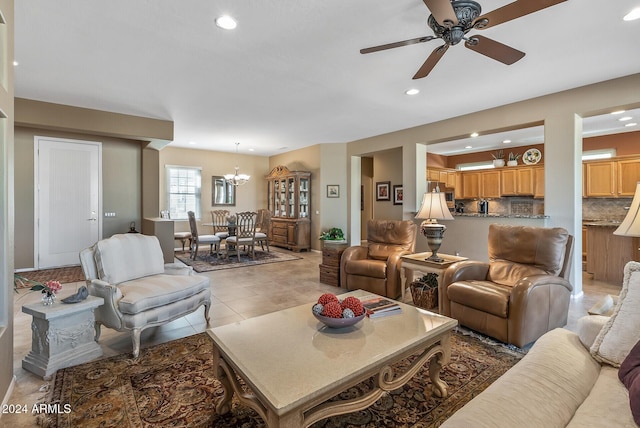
[
  {"x": 62, "y": 335},
  {"x": 417, "y": 264},
  {"x": 330, "y": 267}
]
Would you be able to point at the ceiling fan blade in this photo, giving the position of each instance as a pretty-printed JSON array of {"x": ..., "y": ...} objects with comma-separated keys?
[
  {"x": 495, "y": 50},
  {"x": 396, "y": 44},
  {"x": 431, "y": 62},
  {"x": 515, "y": 10},
  {"x": 442, "y": 11}
]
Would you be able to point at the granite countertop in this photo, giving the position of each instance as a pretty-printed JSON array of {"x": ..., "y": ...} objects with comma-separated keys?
[
  {"x": 476, "y": 215},
  {"x": 601, "y": 223}
]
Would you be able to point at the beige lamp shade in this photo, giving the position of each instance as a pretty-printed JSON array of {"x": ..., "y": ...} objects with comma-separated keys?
[
  {"x": 630, "y": 226},
  {"x": 434, "y": 206}
]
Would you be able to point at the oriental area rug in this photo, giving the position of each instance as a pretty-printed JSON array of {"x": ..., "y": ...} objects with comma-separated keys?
[
  {"x": 63, "y": 275},
  {"x": 173, "y": 384},
  {"x": 205, "y": 262}
]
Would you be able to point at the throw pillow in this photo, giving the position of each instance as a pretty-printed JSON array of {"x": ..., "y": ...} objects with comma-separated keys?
[
  {"x": 622, "y": 331},
  {"x": 629, "y": 375}
]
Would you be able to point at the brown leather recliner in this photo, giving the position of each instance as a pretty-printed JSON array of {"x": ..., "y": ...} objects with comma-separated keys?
[
  {"x": 376, "y": 268},
  {"x": 522, "y": 292}
]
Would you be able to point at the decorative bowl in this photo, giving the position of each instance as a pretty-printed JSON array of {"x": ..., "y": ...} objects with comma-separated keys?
[{"x": 338, "y": 322}]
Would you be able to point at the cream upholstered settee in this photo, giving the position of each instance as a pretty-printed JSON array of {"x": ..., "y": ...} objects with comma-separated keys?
[
  {"x": 569, "y": 379},
  {"x": 139, "y": 290}
]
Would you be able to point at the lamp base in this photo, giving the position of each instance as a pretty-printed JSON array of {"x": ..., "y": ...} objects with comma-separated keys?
[{"x": 434, "y": 233}]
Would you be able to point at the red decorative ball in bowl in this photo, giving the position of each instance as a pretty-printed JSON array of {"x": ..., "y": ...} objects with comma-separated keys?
[{"x": 338, "y": 322}]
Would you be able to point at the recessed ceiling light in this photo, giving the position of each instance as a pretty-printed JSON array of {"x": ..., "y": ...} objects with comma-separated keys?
[
  {"x": 474, "y": 135},
  {"x": 412, "y": 91},
  {"x": 630, "y": 124},
  {"x": 633, "y": 15},
  {"x": 506, "y": 141},
  {"x": 15, "y": 63},
  {"x": 251, "y": 150},
  {"x": 468, "y": 147},
  {"x": 226, "y": 22},
  {"x": 618, "y": 112},
  {"x": 193, "y": 143},
  {"x": 624, "y": 119}
]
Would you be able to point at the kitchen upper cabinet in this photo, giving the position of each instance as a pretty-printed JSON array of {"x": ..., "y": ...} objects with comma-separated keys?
[
  {"x": 628, "y": 177},
  {"x": 516, "y": 182},
  {"x": 612, "y": 178},
  {"x": 446, "y": 176},
  {"x": 490, "y": 184},
  {"x": 538, "y": 182},
  {"x": 600, "y": 179},
  {"x": 470, "y": 185}
]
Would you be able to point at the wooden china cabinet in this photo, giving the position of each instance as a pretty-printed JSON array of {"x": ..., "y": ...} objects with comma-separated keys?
[{"x": 289, "y": 200}]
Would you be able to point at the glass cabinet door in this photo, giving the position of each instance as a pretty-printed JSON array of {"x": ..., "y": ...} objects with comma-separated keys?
[
  {"x": 291, "y": 197},
  {"x": 283, "y": 198},
  {"x": 304, "y": 197},
  {"x": 276, "y": 198}
]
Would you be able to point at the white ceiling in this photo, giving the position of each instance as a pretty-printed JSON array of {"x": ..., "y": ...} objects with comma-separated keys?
[{"x": 291, "y": 74}]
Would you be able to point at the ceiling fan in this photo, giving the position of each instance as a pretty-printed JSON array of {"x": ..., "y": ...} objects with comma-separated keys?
[{"x": 451, "y": 20}]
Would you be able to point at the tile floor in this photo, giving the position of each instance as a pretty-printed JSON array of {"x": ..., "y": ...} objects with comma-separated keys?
[{"x": 237, "y": 294}]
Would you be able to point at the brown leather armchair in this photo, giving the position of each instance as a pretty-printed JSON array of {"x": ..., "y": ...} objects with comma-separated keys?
[
  {"x": 376, "y": 267},
  {"x": 522, "y": 292}
]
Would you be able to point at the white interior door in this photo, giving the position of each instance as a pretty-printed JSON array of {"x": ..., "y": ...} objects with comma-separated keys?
[{"x": 68, "y": 203}]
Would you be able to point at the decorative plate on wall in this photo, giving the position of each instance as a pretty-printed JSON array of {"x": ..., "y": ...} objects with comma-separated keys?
[{"x": 531, "y": 156}]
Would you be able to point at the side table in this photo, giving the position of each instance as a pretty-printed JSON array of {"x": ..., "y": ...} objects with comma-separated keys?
[
  {"x": 62, "y": 335},
  {"x": 417, "y": 263},
  {"x": 330, "y": 267}
]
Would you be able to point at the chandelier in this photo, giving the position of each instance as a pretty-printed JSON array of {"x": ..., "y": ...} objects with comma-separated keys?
[{"x": 237, "y": 179}]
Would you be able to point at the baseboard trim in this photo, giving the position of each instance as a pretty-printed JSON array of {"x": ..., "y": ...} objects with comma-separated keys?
[{"x": 5, "y": 399}]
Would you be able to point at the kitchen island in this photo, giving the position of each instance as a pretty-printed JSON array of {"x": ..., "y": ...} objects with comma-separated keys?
[{"x": 607, "y": 254}]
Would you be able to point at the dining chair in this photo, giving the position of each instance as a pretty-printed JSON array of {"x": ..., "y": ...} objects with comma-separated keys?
[
  {"x": 245, "y": 234},
  {"x": 220, "y": 223},
  {"x": 262, "y": 228},
  {"x": 197, "y": 239},
  {"x": 178, "y": 236}
]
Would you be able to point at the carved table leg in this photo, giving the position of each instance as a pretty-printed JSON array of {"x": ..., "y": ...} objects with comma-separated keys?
[
  {"x": 440, "y": 387},
  {"x": 224, "y": 403}
]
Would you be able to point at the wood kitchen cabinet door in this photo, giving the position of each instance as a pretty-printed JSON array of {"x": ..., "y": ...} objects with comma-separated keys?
[
  {"x": 538, "y": 182},
  {"x": 508, "y": 182},
  {"x": 471, "y": 185},
  {"x": 628, "y": 176},
  {"x": 600, "y": 178},
  {"x": 490, "y": 186},
  {"x": 524, "y": 181}
]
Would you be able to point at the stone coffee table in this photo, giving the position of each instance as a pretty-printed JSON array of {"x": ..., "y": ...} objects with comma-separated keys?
[{"x": 293, "y": 364}]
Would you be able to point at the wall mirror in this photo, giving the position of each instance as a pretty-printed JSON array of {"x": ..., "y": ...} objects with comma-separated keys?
[{"x": 222, "y": 193}]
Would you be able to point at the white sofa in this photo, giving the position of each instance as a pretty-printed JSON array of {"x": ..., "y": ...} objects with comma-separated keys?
[
  {"x": 139, "y": 290},
  {"x": 566, "y": 379}
]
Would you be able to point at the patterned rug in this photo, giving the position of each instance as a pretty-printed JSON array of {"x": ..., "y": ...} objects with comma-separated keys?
[
  {"x": 63, "y": 275},
  {"x": 205, "y": 262},
  {"x": 173, "y": 385}
]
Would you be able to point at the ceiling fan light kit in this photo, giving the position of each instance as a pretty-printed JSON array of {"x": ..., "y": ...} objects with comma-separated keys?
[{"x": 451, "y": 20}]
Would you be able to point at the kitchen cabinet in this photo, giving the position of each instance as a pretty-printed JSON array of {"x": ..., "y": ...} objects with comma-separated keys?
[
  {"x": 289, "y": 198},
  {"x": 517, "y": 181},
  {"x": 471, "y": 185},
  {"x": 490, "y": 184},
  {"x": 538, "y": 182},
  {"x": 614, "y": 178},
  {"x": 607, "y": 254},
  {"x": 446, "y": 176}
]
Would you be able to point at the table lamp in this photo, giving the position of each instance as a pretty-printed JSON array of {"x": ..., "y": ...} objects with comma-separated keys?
[
  {"x": 433, "y": 208},
  {"x": 630, "y": 226}
]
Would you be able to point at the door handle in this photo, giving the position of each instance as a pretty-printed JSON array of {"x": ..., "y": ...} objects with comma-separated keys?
[{"x": 93, "y": 216}]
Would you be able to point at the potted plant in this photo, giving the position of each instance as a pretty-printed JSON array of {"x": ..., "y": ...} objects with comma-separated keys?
[
  {"x": 424, "y": 291},
  {"x": 334, "y": 235},
  {"x": 498, "y": 158},
  {"x": 513, "y": 159}
]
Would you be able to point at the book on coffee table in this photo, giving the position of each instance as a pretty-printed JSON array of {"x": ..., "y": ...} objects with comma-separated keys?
[{"x": 377, "y": 306}]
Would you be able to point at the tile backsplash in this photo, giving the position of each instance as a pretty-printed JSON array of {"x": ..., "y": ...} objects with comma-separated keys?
[{"x": 605, "y": 208}]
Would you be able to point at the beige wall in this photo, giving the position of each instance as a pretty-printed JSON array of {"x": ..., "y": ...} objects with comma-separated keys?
[
  {"x": 6, "y": 201},
  {"x": 121, "y": 186},
  {"x": 249, "y": 197},
  {"x": 387, "y": 166}
]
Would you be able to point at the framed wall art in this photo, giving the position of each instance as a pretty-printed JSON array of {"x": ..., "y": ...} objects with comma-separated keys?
[
  {"x": 397, "y": 194},
  {"x": 383, "y": 191},
  {"x": 333, "y": 190}
]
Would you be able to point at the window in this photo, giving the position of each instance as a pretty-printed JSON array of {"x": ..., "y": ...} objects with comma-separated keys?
[
  {"x": 474, "y": 166},
  {"x": 598, "y": 154},
  {"x": 183, "y": 191}
]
